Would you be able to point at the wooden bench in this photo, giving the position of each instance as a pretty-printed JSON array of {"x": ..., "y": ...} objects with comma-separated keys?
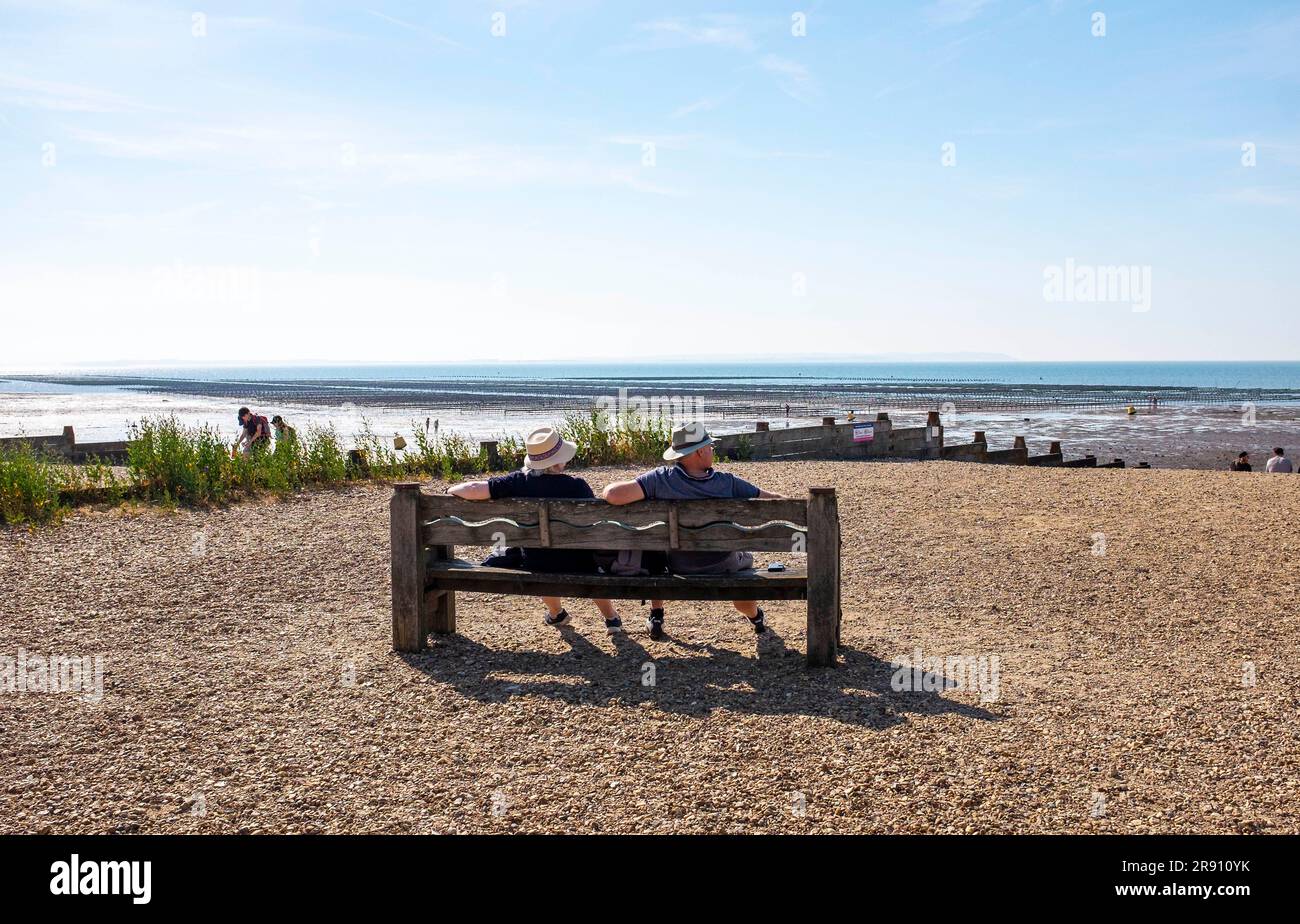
[{"x": 426, "y": 528}]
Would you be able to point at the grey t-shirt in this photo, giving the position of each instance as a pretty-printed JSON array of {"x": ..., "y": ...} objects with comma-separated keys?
[
  {"x": 1278, "y": 464},
  {"x": 671, "y": 482}
]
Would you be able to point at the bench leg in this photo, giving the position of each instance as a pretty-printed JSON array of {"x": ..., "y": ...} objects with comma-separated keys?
[
  {"x": 442, "y": 615},
  {"x": 823, "y": 578},
  {"x": 410, "y": 619}
]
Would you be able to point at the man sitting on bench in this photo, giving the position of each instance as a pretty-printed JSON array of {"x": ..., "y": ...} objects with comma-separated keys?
[
  {"x": 692, "y": 477},
  {"x": 542, "y": 476}
]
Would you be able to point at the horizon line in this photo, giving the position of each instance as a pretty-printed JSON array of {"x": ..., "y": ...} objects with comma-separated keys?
[{"x": 917, "y": 359}]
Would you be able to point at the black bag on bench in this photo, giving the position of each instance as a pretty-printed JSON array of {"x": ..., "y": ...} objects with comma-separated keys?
[
  {"x": 633, "y": 562},
  {"x": 506, "y": 558}
]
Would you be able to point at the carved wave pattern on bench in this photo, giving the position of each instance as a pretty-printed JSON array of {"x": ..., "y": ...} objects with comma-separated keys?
[
  {"x": 530, "y": 525},
  {"x": 630, "y": 528},
  {"x": 747, "y": 529},
  {"x": 488, "y": 522}
]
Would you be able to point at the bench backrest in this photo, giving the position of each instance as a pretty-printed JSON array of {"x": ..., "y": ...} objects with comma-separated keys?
[{"x": 753, "y": 525}]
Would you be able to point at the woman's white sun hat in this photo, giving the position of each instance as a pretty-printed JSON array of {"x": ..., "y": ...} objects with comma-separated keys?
[{"x": 545, "y": 449}]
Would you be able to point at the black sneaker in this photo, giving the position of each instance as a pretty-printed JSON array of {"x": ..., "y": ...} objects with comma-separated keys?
[
  {"x": 558, "y": 619},
  {"x": 760, "y": 626},
  {"x": 655, "y": 623},
  {"x": 614, "y": 626}
]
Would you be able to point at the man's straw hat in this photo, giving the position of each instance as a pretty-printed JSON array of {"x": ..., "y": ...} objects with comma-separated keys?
[
  {"x": 545, "y": 448},
  {"x": 686, "y": 440}
]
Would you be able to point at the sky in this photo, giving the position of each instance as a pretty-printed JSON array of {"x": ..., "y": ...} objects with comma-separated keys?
[{"x": 512, "y": 180}]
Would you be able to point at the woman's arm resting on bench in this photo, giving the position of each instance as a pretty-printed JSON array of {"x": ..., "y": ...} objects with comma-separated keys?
[
  {"x": 623, "y": 492},
  {"x": 471, "y": 490}
]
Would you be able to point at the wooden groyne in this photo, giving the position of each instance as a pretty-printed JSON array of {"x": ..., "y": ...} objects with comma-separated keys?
[
  {"x": 65, "y": 444},
  {"x": 852, "y": 439},
  {"x": 880, "y": 439}
]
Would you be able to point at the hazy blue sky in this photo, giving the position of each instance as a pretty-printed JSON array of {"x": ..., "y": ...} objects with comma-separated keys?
[{"x": 394, "y": 181}]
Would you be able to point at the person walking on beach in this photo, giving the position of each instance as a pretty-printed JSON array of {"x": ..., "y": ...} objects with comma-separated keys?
[
  {"x": 256, "y": 433},
  {"x": 691, "y": 476},
  {"x": 1278, "y": 462},
  {"x": 543, "y": 476},
  {"x": 1243, "y": 462}
]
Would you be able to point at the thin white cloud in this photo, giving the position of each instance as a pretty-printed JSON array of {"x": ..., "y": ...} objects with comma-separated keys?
[
  {"x": 321, "y": 156},
  {"x": 31, "y": 93},
  {"x": 723, "y": 31},
  {"x": 700, "y": 105},
  {"x": 712, "y": 29},
  {"x": 138, "y": 222},
  {"x": 436, "y": 36},
  {"x": 792, "y": 78},
  {"x": 954, "y": 12},
  {"x": 1261, "y": 195},
  {"x": 264, "y": 26},
  {"x": 504, "y": 165},
  {"x": 668, "y": 142},
  {"x": 145, "y": 147}
]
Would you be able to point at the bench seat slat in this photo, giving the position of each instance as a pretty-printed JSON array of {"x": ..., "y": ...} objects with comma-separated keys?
[{"x": 461, "y": 575}]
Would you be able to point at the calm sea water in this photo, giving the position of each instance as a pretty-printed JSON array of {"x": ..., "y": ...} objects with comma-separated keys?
[
  {"x": 103, "y": 412},
  {"x": 1204, "y": 374}
]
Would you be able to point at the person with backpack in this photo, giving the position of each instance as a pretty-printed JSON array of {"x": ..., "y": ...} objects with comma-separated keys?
[
  {"x": 691, "y": 476},
  {"x": 543, "y": 476},
  {"x": 256, "y": 434}
]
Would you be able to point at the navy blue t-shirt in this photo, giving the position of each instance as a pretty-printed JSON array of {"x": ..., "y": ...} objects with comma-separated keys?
[{"x": 542, "y": 484}]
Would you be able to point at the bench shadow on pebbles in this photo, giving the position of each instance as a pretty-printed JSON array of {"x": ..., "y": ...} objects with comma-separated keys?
[{"x": 706, "y": 679}]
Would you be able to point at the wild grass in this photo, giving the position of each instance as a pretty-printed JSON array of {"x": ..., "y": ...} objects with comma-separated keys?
[
  {"x": 624, "y": 440},
  {"x": 171, "y": 463},
  {"x": 31, "y": 483}
]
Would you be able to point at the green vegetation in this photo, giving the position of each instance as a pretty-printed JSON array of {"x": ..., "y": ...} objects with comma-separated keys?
[
  {"x": 31, "y": 483},
  {"x": 627, "y": 440},
  {"x": 170, "y": 463}
]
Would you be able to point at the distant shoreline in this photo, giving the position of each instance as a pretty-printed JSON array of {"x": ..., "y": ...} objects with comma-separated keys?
[{"x": 764, "y": 391}]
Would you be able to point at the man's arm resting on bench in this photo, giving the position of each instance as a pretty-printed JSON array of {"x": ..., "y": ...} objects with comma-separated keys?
[{"x": 629, "y": 492}]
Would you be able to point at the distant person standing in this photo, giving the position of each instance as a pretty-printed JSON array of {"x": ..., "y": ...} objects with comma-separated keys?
[
  {"x": 1243, "y": 463},
  {"x": 1278, "y": 462},
  {"x": 283, "y": 432},
  {"x": 286, "y": 437}
]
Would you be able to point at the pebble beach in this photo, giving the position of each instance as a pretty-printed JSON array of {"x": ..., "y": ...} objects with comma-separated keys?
[{"x": 1141, "y": 628}]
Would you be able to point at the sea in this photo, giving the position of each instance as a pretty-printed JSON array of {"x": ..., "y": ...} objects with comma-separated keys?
[{"x": 1209, "y": 374}]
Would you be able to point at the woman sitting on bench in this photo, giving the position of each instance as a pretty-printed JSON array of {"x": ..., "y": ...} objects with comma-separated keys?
[{"x": 542, "y": 476}]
